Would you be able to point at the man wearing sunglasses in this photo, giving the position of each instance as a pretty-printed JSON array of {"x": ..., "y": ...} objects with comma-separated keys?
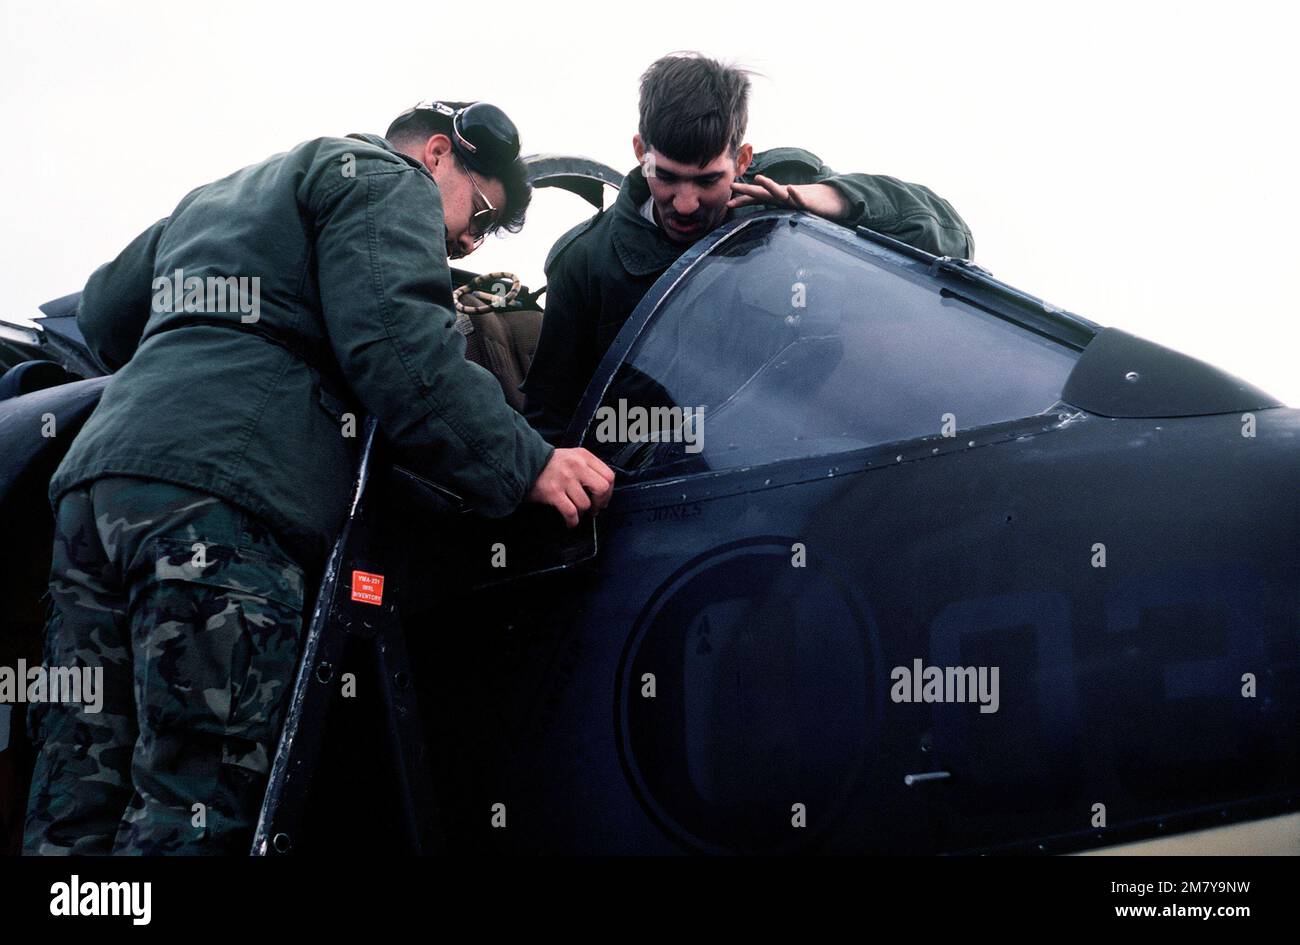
[
  {"x": 247, "y": 334},
  {"x": 695, "y": 172},
  {"x": 436, "y": 135}
]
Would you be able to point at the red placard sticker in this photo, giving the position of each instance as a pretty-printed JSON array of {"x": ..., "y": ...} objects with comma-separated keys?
[{"x": 367, "y": 588}]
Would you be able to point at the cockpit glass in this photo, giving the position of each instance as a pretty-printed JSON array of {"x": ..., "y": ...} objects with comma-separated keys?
[{"x": 785, "y": 343}]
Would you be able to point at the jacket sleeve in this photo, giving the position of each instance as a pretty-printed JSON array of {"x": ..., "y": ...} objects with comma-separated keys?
[
  {"x": 914, "y": 214},
  {"x": 566, "y": 354},
  {"x": 115, "y": 304},
  {"x": 385, "y": 295}
]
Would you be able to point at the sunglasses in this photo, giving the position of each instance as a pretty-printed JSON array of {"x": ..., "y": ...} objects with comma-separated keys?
[{"x": 481, "y": 221}]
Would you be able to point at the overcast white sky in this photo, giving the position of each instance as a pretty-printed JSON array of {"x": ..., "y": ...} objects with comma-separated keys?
[{"x": 1133, "y": 162}]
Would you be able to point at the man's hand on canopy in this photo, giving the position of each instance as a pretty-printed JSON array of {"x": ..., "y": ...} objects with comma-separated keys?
[
  {"x": 573, "y": 482},
  {"x": 821, "y": 199}
]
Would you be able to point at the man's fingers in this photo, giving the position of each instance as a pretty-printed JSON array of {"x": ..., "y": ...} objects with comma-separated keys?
[
  {"x": 577, "y": 495},
  {"x": 765, "y": 191},
  {"x": 599, "y": 487},
  {"x": 779, "y": 191},
  {"x": 752, "y": 191},
  {"x": 594, "y": 462},
  {"x": 589, "y": 460},
  {"x": 562, "y": 504},
  {"x": 573, "y": 481}
]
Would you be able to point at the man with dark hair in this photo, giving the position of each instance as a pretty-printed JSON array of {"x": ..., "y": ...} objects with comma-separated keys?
[
  {"x": 415, "y": 126},
  {"x": 695, "y": 171},
  {"x": 195, "y": 509}
]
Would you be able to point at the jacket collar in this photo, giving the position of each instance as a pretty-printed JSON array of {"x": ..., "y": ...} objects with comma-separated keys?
[{"x": 388, "y": 146}]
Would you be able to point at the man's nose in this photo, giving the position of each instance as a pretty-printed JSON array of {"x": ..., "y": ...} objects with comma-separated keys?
[
  {"x": 465, "y": 243},
  {"x": 685, "y": 203}
]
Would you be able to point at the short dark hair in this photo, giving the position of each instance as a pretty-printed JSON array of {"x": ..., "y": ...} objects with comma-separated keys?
[
  {"x": 693, "y": 108},
  {"x": 413, "y": 128}
]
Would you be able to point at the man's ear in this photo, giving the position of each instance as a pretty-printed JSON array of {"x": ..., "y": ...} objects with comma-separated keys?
[
  {"x": 744, "y": 157},
  {"x": 436, "y": 150},
  {"x": 638, "y": 147}
]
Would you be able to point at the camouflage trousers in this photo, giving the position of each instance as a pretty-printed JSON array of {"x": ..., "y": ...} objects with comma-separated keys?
[{"x": 195, "y": 613}]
